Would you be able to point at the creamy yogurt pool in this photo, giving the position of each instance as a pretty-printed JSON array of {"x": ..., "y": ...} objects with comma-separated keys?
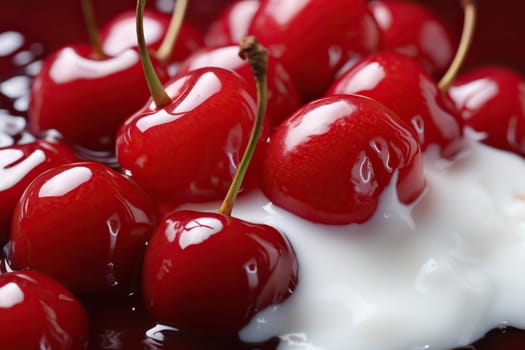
[{"x": 434, "y": 275}]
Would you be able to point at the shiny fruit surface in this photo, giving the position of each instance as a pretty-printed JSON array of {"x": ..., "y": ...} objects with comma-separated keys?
[
  {"x": 414, "y": 30},
  {"x": 84, "y": 225},
  {"x": 87, "y": 98},
  {"x": 333, "y": 158},
  {"x": 190, "y": 149},
  {"x": 491, "y": 100},
  {"x": 402, "y": 84},
  {"x": 283, "y": 95},
  {"x": 37, "y": 312},
  {"x": 119, "y": 34},
  {"x": 336, "y": 31},
  {"x": 232, "y": 23},
  {"x": 19, "y": 165},
  {"x": 209, "y": 273}
]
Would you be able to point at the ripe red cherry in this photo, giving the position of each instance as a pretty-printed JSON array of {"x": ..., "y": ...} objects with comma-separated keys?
[
  {"x": 210, "y": 273},
  {"x": 283, "y": 96},
  {"x": 83, "y": 224},
  {"x": 315, "y": 38},
  {"x": 412, "y": 29},
  {"x": 401, "y": 83},
  {"x": 189, "y": 149},
  {"x": 232, "y": 23},
  {"x": 85, "y": 98},
  {"x": 491, "y": 100},
  {"x": 36, "y": 312},
  {"x": 19, "y": 165},
  {"x": 119, "y": 34},
  {"x": 186, "y": 143},
  {"x": 332, "y": 159}
]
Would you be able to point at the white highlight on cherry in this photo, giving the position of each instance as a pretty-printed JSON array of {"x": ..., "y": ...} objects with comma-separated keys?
[
  {"x": 474, "y": 94},
  {"x": 198, "y": 231},
  {"x": 10, "y": 295},
  {"x": 119, "y": 38},
  {"x": 311, "y": 125},
  {"x": 70, "y": 66},
  {"x": 65, "y": 182},
  {"x": 12, "y": 172}
]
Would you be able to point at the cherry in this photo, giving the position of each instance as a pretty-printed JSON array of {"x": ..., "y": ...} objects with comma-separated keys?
[
  {"x": 402, "y": 84},
  {"x": 412, "y": 29},
  {"x": 19, "y": 165},
  {"x": 315, "y": 38},
  {"x": 82, "y": 216},
  {"x": 86, "y": 95},
  {"x": 87, "y": 99},
  {"x": 283, "y": 97},
  {"x": 36, "y": 312},
  {"x": 186, "y": 143},
  {"x": 232, "y": 24},
  {"x": 119, "y": 34},
  {"x": 332, "y": 159},
  {"x": 189, "y": 149},
  {"x": 210, "y": 272},
  {"x": 491, "y": 100}
]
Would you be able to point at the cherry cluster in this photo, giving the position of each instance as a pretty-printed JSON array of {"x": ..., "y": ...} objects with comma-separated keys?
[{"x": 155, "y": 113}]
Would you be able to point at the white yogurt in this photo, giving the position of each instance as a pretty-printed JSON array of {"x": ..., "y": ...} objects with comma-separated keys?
[{"x": 434, "y": 275}]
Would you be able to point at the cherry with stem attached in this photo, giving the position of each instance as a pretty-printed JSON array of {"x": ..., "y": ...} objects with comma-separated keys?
[
  {"x": 211, "y": 273},
  {"x": 283, "y": 95},
  {"x": 187, "y": 141},
  {"x": 85, "y": 94},
  {"x": 402, "y": 84}
]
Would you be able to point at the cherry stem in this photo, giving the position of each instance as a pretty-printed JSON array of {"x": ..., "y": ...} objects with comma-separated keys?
[
  {"x": 469, "y": 8},
  {"x": 94, "y": 37},
  {"x": 159, "y": 95},
  {"x": 168, "y": 44},
  {"x": 257, "y": 55}
]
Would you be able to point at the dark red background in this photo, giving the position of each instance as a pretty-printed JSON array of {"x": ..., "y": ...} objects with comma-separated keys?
[{"x": 499, "y": 35}]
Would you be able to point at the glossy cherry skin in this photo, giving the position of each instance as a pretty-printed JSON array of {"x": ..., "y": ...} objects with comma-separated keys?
[
  {"x": 19, "y": 165},
  {"x": 491, "y": 100},
  {"x": 86, "y": 99},
  {"x": 190, "y": 149},
  {"x": 232, "y": 23},
  {"x": 315, "y": 38},
  {"x": 283, "y": 95},
  {"x": 402, "y": 84},
  {"x": 36, "y": 312},
  {"x": 120, "y": 34},
  {"x": 84, "y": 225},
  {"x": 209, "y": 273},
  {"x": 414, "y": 30},
  {"x": 332, "y": 159}
]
